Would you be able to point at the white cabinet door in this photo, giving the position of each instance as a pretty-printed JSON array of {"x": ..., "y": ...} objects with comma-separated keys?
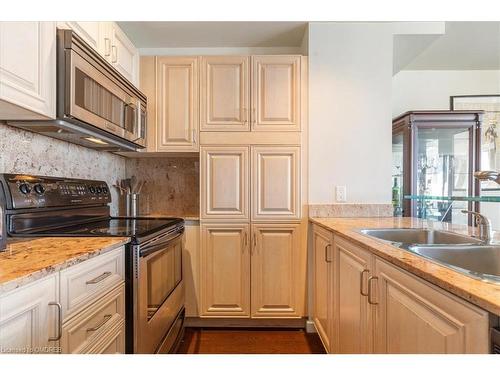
[
  {"x": 27, "y": 70},
  {"x": 276, "y": 183},
  {"x": 124, "y": 55},
  {"x": 29, "y": 317},
  {"x": 92, "y": 32}
]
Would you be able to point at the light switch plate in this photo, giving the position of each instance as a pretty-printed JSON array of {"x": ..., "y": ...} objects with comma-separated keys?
[{"x": 341, "y": 193}]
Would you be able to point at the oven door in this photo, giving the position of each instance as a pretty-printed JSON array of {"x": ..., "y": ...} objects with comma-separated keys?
[
  {"x": 159, "y": 292},
  {"x": 94, "y": 97}
]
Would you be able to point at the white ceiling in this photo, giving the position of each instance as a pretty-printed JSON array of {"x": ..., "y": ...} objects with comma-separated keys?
[
  {"x": 214, "y": 34},
  {"x": 463, "y": 46}
]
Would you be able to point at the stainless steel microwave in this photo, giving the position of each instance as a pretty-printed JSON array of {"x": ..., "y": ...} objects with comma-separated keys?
[{"x": 96, "y": 106}]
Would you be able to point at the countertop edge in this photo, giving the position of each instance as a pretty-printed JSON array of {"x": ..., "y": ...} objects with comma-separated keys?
[
  {"x": 21, "y": 281},
  {"x": 372, "y": 244}
]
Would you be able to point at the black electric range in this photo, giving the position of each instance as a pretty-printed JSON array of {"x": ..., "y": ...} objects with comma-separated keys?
[{"x": 40, "y": 206}]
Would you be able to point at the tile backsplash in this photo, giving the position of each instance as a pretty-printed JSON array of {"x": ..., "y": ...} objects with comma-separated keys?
[
  {"x": 172, "y": 185},
  {"x": 26, "y": 152}
]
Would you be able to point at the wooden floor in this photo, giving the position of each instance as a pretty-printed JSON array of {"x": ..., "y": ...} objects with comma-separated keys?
[{"x": 249, "y": 341}]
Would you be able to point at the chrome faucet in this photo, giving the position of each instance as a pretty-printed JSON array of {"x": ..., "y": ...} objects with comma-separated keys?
[
  {"x": 483, "y": 224},
  {"x": 488, "y": 176}
]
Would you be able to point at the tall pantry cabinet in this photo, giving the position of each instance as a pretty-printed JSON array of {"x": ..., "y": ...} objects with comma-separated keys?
[{"x": 252, "y": 187}]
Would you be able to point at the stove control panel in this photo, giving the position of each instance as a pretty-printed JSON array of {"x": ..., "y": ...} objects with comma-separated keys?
[{"x": 27, "y": 191}]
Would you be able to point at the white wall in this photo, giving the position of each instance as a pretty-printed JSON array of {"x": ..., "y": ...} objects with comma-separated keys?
[
  {"x": 431, "y": 89},
  {"x": 350, "y": 77}
]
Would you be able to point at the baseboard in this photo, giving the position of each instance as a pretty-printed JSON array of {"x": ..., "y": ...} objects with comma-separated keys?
[
  {"x": 245, "y": 323},
  {"x": 310, "y": 327}
]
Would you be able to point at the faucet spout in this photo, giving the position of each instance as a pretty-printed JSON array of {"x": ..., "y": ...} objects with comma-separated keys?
[
  {"x": 483, "y": 224},
  {"x": 488, "y": 176}
]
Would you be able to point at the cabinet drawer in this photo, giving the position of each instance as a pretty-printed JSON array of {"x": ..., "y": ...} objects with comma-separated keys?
[
  {"x": 95, "y": 322},
  {"x": 112, "y": 343},
  {"x": 83, "y": 283}
]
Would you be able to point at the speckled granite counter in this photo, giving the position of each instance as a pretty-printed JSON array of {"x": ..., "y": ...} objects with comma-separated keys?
[
  {"x": 480, "y": 293},
  {"x": 26, "y": 260}
]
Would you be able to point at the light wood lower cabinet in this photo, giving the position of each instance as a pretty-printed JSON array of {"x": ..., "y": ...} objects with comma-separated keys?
[
  {"x": 191, "y": 267},
  {"x": 353, "y": 313},
  {"x": 414, "y": 316},
  {"x": 278, "y": 271},
  {"x": 28, "y": 318},
  {"x": 381, "y": 308},
  {"x": 225, "y": 270},
  {"x": 322, "y": 281},
  {"x": 255, "y": 271}
]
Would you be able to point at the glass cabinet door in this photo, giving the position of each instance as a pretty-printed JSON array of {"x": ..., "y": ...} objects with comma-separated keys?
[
  {"x": 397, "y": 173},
  {"x": 442, "y": 165}
]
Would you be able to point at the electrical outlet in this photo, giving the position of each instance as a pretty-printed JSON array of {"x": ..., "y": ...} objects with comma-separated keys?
[{"x": 341, "y": 193}]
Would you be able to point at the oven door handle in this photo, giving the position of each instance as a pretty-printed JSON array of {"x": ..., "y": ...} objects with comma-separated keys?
[{"x": 153, "y": 248}]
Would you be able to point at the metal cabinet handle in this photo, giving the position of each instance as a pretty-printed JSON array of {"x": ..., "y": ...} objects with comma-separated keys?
[
  {"x": 107, "y": 47},
  {"x": 254, "y": 117},
  {"x": 362, "y": 283},
  {"x": 59, "y": 321},
  {"x": 245, "y": 240},
  {"x": 327, "y": 253},
  {"x": 114, "y": 54},
  {"x": 106, "y": 318},
  {"x": 99, "y": 278},
  {"x": 254, "y": 243},
  {"x": 370, "y": 290}
]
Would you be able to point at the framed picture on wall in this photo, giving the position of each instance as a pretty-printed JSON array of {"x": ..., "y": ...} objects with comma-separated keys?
[{"x": 490, "y": 152}]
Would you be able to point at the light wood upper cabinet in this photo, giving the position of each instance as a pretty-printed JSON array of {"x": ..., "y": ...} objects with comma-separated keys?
[
  {"x": 225, "y": 93},
  {"x": 414, "y": 316},
  {"x": 278, "y": 271},
  {"x": 123, "y": 54},
  {"x": 275, "y": 183},
  {"x": 27, "y": 70},
  {"x": 354, "y": 315},
  {"x": 177, "y": 104},
  {"x": 322, "y": 284},
  {"x": 224, "y": 182},
  {"x": 28, "y": 316},
  {"x": 276, "y": 93},
  {"x": 225, "y": 270}
]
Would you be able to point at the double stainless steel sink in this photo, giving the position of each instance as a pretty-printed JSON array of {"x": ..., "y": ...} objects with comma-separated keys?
[{"x": 465, "y": 254}]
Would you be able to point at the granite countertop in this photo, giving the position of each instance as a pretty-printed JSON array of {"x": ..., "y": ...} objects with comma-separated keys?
[
  {"x": 483, "y": 294},
  {"x": 29, "y": 259}
]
